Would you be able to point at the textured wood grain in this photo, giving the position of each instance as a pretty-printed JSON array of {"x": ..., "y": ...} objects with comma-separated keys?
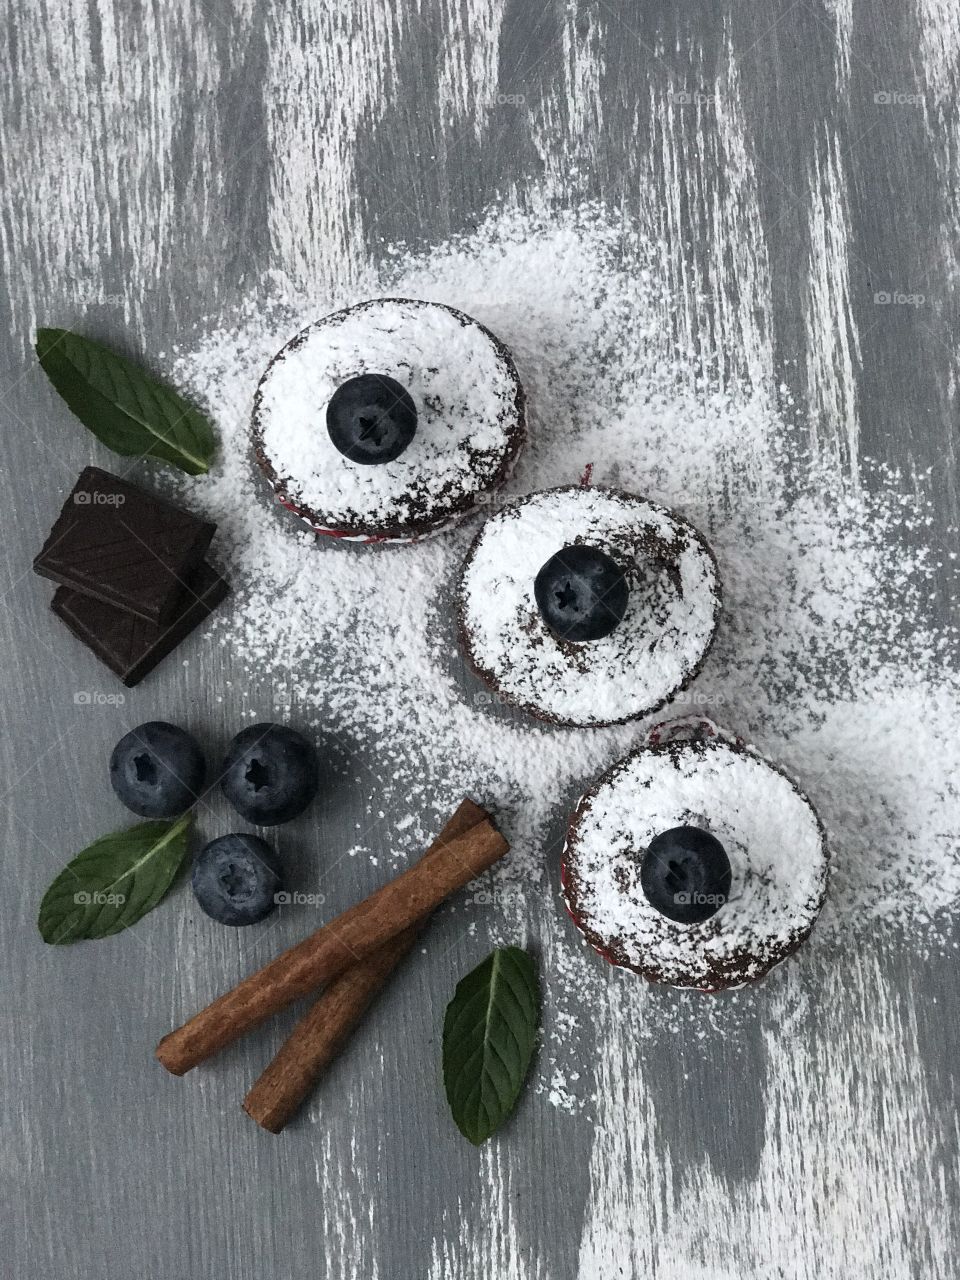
[{"x": 797, "y": 161}]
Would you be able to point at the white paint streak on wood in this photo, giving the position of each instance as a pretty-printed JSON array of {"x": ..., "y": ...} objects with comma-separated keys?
[
  {"x": 331, "y": 75},
  {"x": 738, "y": 269},
  {"x": 584, "y": 38},
  {"x": 696, "y": 190},
  {"x": 85, "y": 207},
  {"x": 700, "y": 200},
  {"x": 469, "y": 63},
  {"x": 842, "y": 12},
  {"x": 832, "y": 340},
  {"x": 482, "y": 1241},
  {"x": 939, "y": 22},
  {"x": 849, "y": 1181},
  {"x": 347, "y": 1204}
]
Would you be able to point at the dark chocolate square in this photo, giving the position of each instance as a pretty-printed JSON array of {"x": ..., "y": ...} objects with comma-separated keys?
[
  {"x": 121, "y": 545},
  {"x": 130, "y": 647}
]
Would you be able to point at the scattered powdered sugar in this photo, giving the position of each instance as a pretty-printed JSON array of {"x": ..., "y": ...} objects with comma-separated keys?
[
  {"x": 462, "y": 385},
  {"x": 656, "y": 648},
  {"x": 771, "y": 836},
  {"x": 825, "y": 657}
]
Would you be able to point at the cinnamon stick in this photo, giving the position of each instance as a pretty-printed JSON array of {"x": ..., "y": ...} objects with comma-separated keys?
[
  {"x": 325, "y": 954},
  {"x": 322, "y": 1032}
]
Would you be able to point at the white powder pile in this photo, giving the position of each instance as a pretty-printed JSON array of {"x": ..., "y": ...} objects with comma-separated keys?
[
  {"x": 670, "y": 619},
  {"x": 824, "y": 658}
]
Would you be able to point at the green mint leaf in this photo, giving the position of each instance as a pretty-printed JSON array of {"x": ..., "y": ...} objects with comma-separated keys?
[
  {"x": 113, "y": 882},
  {"x": 489, "y": 1033},
  {"x": 123, "y": 405}
]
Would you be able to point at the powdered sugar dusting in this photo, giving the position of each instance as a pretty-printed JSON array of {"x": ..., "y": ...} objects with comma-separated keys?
[
  {"x": 767, "y": 828},
  {"x": 825, "y": 656},
  {"x": 462, "y": 386},
  {"x": 670, "y": 620}
]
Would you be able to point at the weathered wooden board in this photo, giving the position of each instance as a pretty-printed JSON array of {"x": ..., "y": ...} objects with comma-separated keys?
[{"x": 157, "y": 161}]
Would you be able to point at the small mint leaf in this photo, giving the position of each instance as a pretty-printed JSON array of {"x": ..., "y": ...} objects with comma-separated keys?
[
  {"x": 489, "y": 1034},
  {"x": 126, "y": 408},
  {"x": 115, "y": 881}
]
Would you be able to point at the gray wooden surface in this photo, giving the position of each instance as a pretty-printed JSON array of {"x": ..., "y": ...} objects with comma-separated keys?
[{"x": 156, "y": 162}]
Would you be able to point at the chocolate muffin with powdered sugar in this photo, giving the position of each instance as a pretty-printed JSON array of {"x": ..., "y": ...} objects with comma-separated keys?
[
  {"x": 388, "y": 421},
  {"x": 587, "y": 605},
  {"x": 694, "y": 861}
]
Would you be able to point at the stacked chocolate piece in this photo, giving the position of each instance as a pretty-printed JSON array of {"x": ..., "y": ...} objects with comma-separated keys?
[{"x": 132, "y": 574}]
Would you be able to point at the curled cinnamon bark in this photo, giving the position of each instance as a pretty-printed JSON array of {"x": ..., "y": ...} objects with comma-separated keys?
[
  {"x": 321, "y": 1033},
  {"x": 324, "y": 1029},
  {"x": 351, "y": 937}
]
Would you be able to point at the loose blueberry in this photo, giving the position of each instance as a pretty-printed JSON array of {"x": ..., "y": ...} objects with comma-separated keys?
[
  {"x": 157, "y": 770},
  {"x": 371, "y": 419},
  {"x": 236, "y": 879},
  {"x": 269, "y": 774},
  {"x": 581, "y": 593},
  {"x": 686, "y": 874}
]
